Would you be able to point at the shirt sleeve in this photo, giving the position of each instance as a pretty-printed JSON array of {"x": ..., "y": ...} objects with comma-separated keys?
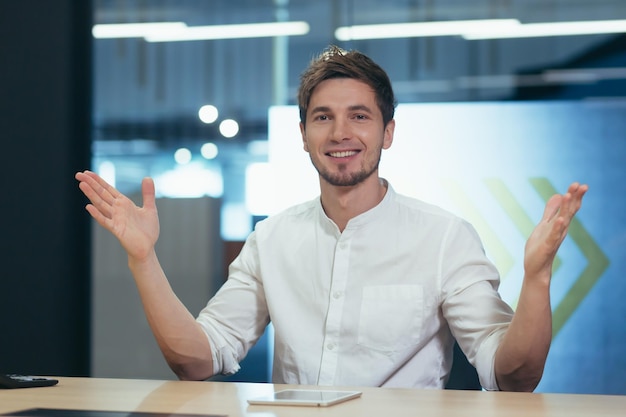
[
  {"x": 476, "y": 314},
  {"x": 236, "y": 317}
]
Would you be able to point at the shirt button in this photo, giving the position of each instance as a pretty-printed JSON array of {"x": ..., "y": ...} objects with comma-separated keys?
[
  {"x": 337, "y": 295},
  {"x": 343, "y": 246},
  {"x": 330, "y": 346}
]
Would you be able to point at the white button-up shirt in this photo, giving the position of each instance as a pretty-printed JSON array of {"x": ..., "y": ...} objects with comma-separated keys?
[{"x": 378, "y": 304}]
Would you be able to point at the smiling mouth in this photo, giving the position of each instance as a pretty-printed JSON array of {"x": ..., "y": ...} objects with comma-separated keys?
[{"x": 342, "y": 154}]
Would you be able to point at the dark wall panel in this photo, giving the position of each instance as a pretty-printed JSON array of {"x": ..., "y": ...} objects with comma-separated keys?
[{"x": 45, "y": 111}]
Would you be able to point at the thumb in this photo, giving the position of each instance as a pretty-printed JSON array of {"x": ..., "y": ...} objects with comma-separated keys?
[{"x": 147, "y": 192}]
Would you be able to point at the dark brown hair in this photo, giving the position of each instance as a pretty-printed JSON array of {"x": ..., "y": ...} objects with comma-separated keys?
[{"x": 334, "y": 62}]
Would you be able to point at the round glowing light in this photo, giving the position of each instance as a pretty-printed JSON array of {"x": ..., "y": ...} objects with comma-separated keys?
[
  {"x": 209, "y": 150},
  {"x": 229, "y": 128},
  {"x": 182, "y": 156},
  {"x": 208, "y": 113}
]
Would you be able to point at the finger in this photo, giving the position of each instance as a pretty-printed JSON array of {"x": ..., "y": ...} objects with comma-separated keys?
[
  {"x": 573, "y": 200},
  {"x": 97, "y": 215},
  {"x": 97, "y": 203},
  {"x": 556, "y": 225},
  {"x": 91, "y": 187},
  {"x": 101, "y": 194},
  {"x": 106, "y": 192},
  {"x": 578, "y": 195},
  {"x": 570, "y": 205},
  {"x": 148, "y": 192}
]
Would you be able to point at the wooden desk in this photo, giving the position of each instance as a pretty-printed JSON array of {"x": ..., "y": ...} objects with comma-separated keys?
[{"x": 224, "y": 398}]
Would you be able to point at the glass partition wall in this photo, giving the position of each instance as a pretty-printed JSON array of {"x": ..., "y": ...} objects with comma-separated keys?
[{"x": 187, "y": 91}]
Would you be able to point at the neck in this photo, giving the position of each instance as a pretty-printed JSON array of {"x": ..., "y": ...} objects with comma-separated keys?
[{"x": 344, "y": 203}]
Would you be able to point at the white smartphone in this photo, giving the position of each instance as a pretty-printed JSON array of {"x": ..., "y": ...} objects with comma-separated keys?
[{"x": 306, "y": 397}]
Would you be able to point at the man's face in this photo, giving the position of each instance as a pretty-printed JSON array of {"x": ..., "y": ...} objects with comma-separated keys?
[{"x": 344, "y": 132}]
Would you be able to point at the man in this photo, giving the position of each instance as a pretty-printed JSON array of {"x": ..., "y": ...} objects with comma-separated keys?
[{"x": 363, "y": 286}]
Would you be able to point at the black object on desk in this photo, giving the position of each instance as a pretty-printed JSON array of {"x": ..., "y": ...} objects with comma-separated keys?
[{"x": 25, "y": 381}]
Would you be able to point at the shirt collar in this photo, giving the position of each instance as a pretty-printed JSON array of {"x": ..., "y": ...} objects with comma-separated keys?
[{"x": 363, "y": 218}]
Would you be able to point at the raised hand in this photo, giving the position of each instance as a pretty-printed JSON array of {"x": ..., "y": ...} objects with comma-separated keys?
[
  {"x": 546, "y": 238},
  {"x": 137, "y": 228}
]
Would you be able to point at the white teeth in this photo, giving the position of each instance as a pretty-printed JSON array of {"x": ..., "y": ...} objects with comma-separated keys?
[{"x": 342, "y": 154}]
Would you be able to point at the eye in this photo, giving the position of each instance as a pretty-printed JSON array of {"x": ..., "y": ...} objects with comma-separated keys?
[{"x": 321, "y": 117}]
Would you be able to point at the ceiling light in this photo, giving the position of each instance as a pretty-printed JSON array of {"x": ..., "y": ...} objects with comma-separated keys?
[
  {"x": 209, "y": 150},
  {"x": 182, "y": 156},
  {"x": 531, "y": 30},
  {"x": 251, "y": 30},
  {"x": 423, "y": 29},
  {"x": 134, "y": 30},
  {"x": 208, "y": 113},
  {"x": 229, "y": 128},
  {"x": 179, "y": 31}
]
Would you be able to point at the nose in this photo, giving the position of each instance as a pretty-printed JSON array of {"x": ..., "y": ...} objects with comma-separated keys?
[{"x": 340, "y": 130}]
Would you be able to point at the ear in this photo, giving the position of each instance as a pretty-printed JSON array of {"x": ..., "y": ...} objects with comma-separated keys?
[
  {"x": 388, "y": 134},
  {"x": 303, "y": 133}
]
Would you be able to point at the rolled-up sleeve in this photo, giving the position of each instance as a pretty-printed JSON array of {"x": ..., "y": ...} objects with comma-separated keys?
[
  {"x": 476, "y": 314},
  {"x": 236, "y": 317}
]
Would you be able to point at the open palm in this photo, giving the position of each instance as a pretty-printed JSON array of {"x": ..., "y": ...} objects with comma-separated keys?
[
  {"x": 546, "y": 238},
  {"x": 137, "y": 228}
]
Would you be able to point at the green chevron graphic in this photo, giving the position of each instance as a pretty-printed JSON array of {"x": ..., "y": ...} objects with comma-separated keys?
[
  {"x": 597, "y": 262},
  {"x": 501, "y": 257}
]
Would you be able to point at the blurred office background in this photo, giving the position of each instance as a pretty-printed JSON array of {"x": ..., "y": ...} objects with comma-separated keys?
[{"x": 502, "y": 103}]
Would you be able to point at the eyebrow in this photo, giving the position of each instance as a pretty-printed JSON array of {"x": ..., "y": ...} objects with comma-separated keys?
[
  {"x": 318, "y": 109},
  {"x": 324, "y": 109}
]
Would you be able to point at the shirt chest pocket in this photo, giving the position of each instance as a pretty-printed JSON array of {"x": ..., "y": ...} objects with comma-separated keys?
[{"x": 391, "y": 317}]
